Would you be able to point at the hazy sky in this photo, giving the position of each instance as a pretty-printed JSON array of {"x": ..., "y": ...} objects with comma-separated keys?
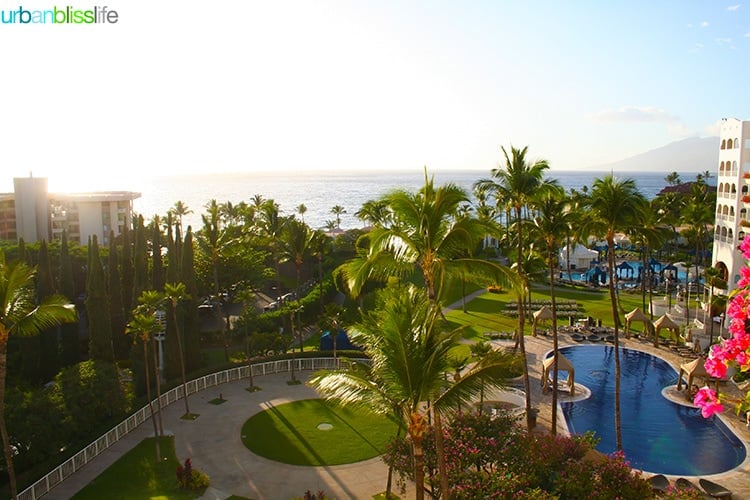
[{"x": 281, "y": 85}]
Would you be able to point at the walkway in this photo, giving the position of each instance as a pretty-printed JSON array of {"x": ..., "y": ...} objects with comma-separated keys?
[{"x": 213, "y": 442}]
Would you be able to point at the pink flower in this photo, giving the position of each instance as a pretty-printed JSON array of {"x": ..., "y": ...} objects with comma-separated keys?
[
  {"x": 716, "y": 368},
  {"x": 706, "y": 400},
  {"x": 745, "y": 248}
]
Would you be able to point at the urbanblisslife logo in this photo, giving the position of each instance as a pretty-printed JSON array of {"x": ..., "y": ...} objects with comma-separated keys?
[{"x": 60, "y": 15}]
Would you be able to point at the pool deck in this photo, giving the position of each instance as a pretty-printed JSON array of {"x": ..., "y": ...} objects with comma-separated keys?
[
  {"x": 213, "y": 441},
  {"x": 736, "y": 480}
]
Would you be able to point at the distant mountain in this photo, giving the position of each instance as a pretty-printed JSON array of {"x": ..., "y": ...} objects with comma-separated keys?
[{"x": 695, "y": 154}]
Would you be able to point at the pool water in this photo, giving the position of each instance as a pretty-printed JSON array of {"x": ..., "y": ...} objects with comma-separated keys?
[{"x": 658, "y": 435}]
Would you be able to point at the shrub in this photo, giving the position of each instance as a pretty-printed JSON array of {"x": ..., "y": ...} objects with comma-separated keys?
[{"x": 190, "y": 478}]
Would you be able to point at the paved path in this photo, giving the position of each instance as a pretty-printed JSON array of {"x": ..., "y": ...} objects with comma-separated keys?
[{"x": 213, "y": 441}]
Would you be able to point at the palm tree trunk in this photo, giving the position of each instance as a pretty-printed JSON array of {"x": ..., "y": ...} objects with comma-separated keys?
[
  {"x": 3, "y": 428},
  {"x": 146, "y": 369},
  {"x": 616, "y": 319},
  {"x": 521, "y": 317},
  {"x": 158, "y": 388},
  {"x": 182, "y": 358},
  {"x": 554, "y": 343},
  {"x": 440, "y": 451},
  {"x": 418, "y": 470}
]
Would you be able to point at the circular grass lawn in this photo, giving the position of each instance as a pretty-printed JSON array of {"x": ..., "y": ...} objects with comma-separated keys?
[{"x": 317, "y": 432}]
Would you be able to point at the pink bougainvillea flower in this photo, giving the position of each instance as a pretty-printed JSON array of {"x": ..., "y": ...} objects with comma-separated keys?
[
  {"x": 706, "y": 400},
  {"x": 716, "y": 367},
  {"x": 745, "y": 248}
]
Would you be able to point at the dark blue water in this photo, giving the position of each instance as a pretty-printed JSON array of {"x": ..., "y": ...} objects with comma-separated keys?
[{"x": 657, "y": 435}]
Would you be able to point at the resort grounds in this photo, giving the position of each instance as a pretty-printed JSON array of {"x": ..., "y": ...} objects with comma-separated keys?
[{"x": 214, "y": 443}]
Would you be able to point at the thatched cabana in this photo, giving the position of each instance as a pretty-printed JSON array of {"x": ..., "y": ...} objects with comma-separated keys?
[
  {"x": 666, "y": 322},
  {"x": 563, "y": 364},
  {"x": 695, "y": 368},
  {"x": 638, "y": 315},
  {"x": 542, "y": 314}
]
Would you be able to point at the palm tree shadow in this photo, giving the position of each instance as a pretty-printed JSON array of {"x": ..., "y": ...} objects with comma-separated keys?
[{"x": 272, "y": 408}]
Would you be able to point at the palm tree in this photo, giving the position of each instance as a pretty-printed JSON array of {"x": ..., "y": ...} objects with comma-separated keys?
[
  {"x": 319, "y": 244},
  {"x": 425, "y": 232},
  {"x": 673, "y": 179},
  {"x": 301, "y": 210},
  {"x": 515, "y": 184},
  {"x": 615, "y": 205},
  {"x": 143, "y": 326},
  {"x": 410, "y": 356},
  {"x": 151, "y": 303},
  {"x": 295, "y": 242},
  {"x": 649, "y": 233},
  {"x": 338, "y": 211},
  {"x": 553, "y": 221},
  {"x": 174, "y": 293},
  {"x": 179, "y": 210},
  {"x": 214, "y": 241},
  {"x": 21, "y": 316}
]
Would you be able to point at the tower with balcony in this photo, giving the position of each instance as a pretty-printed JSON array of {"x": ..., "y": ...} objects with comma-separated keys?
[{"x": 732, "y": 200}]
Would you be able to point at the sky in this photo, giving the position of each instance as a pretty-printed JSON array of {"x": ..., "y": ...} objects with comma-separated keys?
[{"x": 284, "y": 86}]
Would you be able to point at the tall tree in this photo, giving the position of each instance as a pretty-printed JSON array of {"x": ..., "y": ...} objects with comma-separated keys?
[
  {"x": 140, "y": 260},
  {"x": 120, "y": 341},
  {"x": 158, "y": 277},
  {"x": 410, "y": 354},
  {"x": 142, "y": 327},
  {"x": 127, "y": 272},
  {"x": 97, "y": 308},
  {"x": 338, "y": 211},
  {"x": 179, "y": 210},
  {"x": 171, "y": 346},
  {"x": 69, "y": 346},
  {"x": 191, "y": 326},
  {"x": 20, "y": 316},
  {"x": 514, "y": 184},
  {"x": 615, "y": 206},
  {"x": 174, "y": 293},
  {"x": 49, "y": 338},
  {"x": 553, "y": 221}
]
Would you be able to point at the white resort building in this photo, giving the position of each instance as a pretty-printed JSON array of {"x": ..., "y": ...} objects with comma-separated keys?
[
  {"x": 732, "y": 199},
  {"x": 34, "y": 214}
]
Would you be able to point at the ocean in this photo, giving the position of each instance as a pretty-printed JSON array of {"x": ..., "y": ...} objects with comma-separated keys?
[{"x": 320, "y": 191}]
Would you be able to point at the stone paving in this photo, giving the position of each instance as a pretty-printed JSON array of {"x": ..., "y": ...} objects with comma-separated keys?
[{"x": 213, "y": 441}]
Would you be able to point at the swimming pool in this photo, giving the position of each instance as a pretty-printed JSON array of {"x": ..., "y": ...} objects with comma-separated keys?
[{"x": 658, "y": 435}]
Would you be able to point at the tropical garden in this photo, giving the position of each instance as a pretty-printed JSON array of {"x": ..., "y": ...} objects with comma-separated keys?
[{"x": 81, "y": 326}]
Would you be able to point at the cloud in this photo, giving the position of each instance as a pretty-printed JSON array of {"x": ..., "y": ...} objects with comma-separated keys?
[
  {"x": 732, "y": 8},
  {"x": 704, "y": 24},
  {"x": 726, "y": 42},
  {"x": 747, "y": 35},
  {"x": 634, "y": 114},
  {"x": 673, "y": 125}
]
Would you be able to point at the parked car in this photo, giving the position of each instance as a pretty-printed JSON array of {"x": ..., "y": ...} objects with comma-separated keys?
[{"x": 271, "y": 307}]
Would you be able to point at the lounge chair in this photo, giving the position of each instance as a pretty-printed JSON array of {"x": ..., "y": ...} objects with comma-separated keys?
[
  {"x": 609, "y": 338},
  {"x": 577, "y": 337},
  {"x": 659, "y": 483},
  {"x": 594, "y": 337},
  {"x": 687, "y": 485},
  {"x": 714, "y": 490}
]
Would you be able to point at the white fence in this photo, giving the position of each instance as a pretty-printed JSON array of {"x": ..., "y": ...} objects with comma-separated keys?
[{"x": 70, "y": 466}]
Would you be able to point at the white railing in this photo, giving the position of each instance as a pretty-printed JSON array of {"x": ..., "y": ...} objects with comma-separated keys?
[{"x": 74, "y": 463}]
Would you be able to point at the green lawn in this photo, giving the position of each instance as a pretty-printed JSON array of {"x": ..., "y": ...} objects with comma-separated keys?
[
  {"x": 138, "y": 475},
  {"x": 289, "y": 433},
  {"x": 485, "y": 313}
]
